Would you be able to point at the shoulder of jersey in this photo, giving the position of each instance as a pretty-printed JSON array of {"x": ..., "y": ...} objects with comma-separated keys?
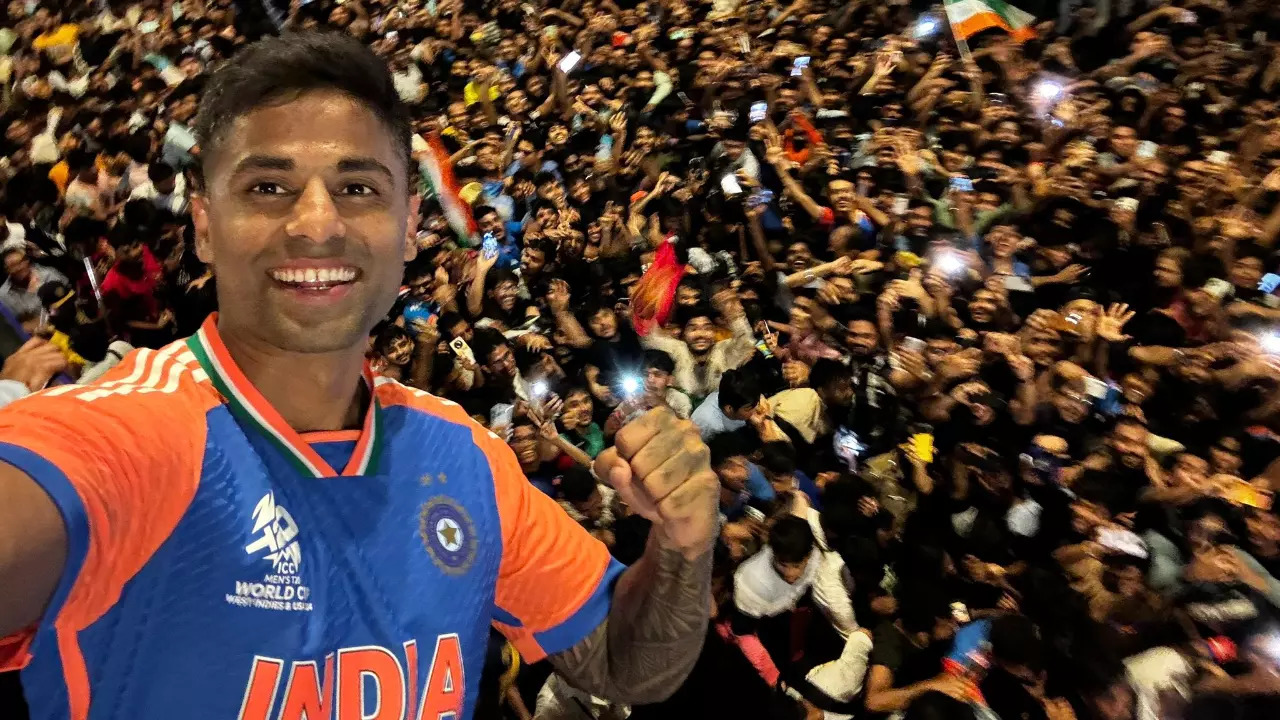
[
  {"x": 171, "y": 371},
  {"x": 392, "y": 392}
]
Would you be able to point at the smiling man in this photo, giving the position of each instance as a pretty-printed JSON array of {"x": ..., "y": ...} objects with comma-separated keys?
[{"x": 255, "y": 526}]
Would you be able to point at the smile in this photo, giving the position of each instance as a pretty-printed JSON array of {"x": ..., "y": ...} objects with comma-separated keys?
[{"x": 314, "y": 278}]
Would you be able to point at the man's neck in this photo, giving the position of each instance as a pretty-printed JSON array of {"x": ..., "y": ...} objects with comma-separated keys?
[{"x": 311, "y": 391}]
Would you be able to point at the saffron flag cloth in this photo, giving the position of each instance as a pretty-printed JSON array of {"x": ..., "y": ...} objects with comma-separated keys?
[
  {"x": 970, "y": 17},
  {"x": 438, "y": 171},
  {"x": 654, "y": 295}
]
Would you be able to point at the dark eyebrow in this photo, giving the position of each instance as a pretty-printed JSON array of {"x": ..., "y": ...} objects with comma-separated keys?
[
  {"x": 263, "y": 162},
  {"x": 364, "y": 164}
]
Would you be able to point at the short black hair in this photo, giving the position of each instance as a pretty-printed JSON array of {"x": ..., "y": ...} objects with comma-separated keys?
[
  {"x": 738, "y": 389},
  {"x": 779, "y": 457},
  {"x": 658, "y": 360},
  {"x": 791, "y": 539},
  {"x": 726, "y": 445},
  {"x": 825, "y": 372},
  {"x": 282, "y": 67},
  {"x": 159, "y": 172},
  {"x": 482, "y": 210},
  {"x": 577, "y": 485}
]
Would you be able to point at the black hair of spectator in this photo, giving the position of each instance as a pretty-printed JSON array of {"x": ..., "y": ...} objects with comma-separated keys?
[
  {"x": 485, "y": 341},
  {"x": 388, "y": 336},
  {"x": 689, "y": 314},
  {"x": 481, "y": 210},
  {"x": 281, "y": 68},
  {"x": 448, "y": 320},
  {"x": 658, "y": 360},
  {"x": 158, "y": 172},
  {"x": 1015, "y": 640},
  {"x": 739, "y": 388},
  {"x": 921, "y": 610},
  {"x": 826, "y": 372},
  {"x": 726, "y": 445},
  {"x": 791, "y": 539},
  {"x": 778, "y": 457},
  {"x": 577, "y": 485}
]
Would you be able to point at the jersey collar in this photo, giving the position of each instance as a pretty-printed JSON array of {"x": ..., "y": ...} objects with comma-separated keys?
[{"x": 252, "y": 409}]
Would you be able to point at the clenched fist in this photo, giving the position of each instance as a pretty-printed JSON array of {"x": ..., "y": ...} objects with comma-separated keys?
[{"x": 662, "y": 469}]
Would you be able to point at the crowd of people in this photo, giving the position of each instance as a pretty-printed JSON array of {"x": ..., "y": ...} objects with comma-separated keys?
[{"x": 983, "y": 337}]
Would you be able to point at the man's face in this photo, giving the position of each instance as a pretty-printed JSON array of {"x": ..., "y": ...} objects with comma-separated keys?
[
  {"x": 603, "y": 323},
  {"x": 700, "y": 334},
  {"x": 400, "y": 352},
  {"x": 790, "y": 572},
  {"x": 533, "y": 260},
  {"x": 1246, "y": 272},
  {"x": 504, "y": 294},
  {"x": 733, "y": 473},
  {"x": 524, "y": 443},
  {"x": 491, "y": 223},
  {"x": 733, "y": 149},
  {"x": 799, "y": 257},
  {"x": 1124, "y": 141},
  {"x": 1168, "y": 272},
  {"x": 502, "y": 362},
  {"x": 1129, "y": 442},
  {"x": 304, "y": 219},
  {"x": 863, "y": 338},
  {"x": 18, "y": 266},
  {"x": 982, "y": 307},
  {"x": 1043, "y": 347},
  {"x": 656, "y": 381},
  {"x": 842, "y": 196},
  {"x": 1189, "y": 471}
]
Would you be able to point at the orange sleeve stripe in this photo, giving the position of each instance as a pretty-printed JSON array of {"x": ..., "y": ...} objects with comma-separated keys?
[
  {"x": 552, "y": 569},
  {"x": 116, "y": 468}
]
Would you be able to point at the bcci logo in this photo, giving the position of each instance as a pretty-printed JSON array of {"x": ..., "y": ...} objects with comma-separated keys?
[
  {"x": 447, "y": 534},
  {"x": 278, "y": 535}
]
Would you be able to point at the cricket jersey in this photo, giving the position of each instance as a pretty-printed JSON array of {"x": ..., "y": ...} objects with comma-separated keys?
[{"x": 222, "y": 565}]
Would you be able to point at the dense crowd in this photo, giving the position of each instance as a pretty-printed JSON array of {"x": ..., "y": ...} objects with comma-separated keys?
[{"x": 984, "y": 337}]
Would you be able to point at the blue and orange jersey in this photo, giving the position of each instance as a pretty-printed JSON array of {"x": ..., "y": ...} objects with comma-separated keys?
[{"x": 221, "y": 565}]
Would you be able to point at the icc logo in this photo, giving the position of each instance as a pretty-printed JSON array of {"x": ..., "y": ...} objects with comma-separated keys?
[{"x": 279, "y": 535}]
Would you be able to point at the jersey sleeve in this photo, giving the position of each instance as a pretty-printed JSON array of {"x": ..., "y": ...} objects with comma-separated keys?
[
  {"x": 555, "y": 581},
  {"x": 121, "y": 466}
]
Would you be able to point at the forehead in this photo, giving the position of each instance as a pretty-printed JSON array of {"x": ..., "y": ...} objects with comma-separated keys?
[{"x": 315, "y": 130}]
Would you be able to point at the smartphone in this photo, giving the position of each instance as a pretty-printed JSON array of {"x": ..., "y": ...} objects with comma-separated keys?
[
  {"x": 1269, "y": 283},
  {"x": 1218, "y": 288},
  {"x": 680, "y": 34},
  {"x": 1219, "y": 157},
  {"x": 1122, "y": 541},
  {"x": 684, "y": 99},
  {"x": 763, "y": 196},
  {"x": 569, "y": 61},
  {"x": 923, "y": 444},
  {"x": 1188, "y": 17},
  {"x": 462, "y": 349},
  {"x": 730, "y": 185},
  {"x": 1240, "y": 492},
  {"x": 1147, "y": 149},
  {"x": 848, "y": 447},
  {"x": 1095, "y": 388},
  {"x": 489, "y": 248},
  {"x": 913, "y": 344},
  {"x": 797, "y": 67},
  {"x": 960, "y": 612},
  {"x": 758, "y": 111},
  {"x": 744, "y": 44},
  {"x": 502, "y": 415},
  {"x": 962, "y": 184},
  {"x": 900, "y": 205},
  {"x": 998, "y": 98}
]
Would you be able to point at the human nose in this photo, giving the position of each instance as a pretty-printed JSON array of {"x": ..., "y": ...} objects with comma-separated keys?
[{"x": 314, "y": 216}]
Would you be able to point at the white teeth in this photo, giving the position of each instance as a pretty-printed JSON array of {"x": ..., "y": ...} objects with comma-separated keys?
[{"x": 323, "y": 276}]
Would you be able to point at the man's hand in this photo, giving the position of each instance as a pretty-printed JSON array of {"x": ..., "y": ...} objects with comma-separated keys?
[
  {"x": 662, "y": 470},
  {"x": 34, "y": 364}
]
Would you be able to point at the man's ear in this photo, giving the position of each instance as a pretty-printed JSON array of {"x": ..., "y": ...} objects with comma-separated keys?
[
  {"x": 200, "y": 219},
  {"x": 411, "y": 228}
]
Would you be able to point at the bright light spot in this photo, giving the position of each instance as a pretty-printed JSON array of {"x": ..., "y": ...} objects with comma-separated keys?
[
  {"x": 949, "y": 264},
  {"x": 630, "y": 385},
  {"x": 1048, "y": 90},
  {"x": 1270, "y": 343},
  {"x": 925, "y": 28},
  {"x": 539, "y": 389}
]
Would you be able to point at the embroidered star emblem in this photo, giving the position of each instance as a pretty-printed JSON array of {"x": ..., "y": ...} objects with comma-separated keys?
[
  {"x": 425, "y": 479},
  {"x": 442, "y": 478},
  {"x": 449, "y": 534}
]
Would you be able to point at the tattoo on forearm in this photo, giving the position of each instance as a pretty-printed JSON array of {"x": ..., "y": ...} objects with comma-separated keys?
[{"x": 653, "y": 635}]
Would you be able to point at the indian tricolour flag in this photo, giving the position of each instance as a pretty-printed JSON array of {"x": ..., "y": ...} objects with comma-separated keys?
[
  {"x": 438, "y": 169},
  {"x": 969, "y": 17}
]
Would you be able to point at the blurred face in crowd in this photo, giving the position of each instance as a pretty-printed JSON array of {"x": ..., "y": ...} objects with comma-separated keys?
[
  {"x": 982, "y": 306},
  {"x": 298, "y": 192},
  {"x": 400, "y": 352},
  {"x": 18, "y": 267},
  {"x": 700, "y": 334},
  {"x": 505, "y": 294},
  {"x": 1246, "y": 272},
  {"x": 603, "y": 323},
  {"x": 863, "y": 339},
  {"x": 842, "y": 194},
  {"x": 656, "y": 381},
  {"x": 1129, "y": 442},
  {"x": 524, "y": 443},
  {"x": 502, "y": 362},
  {"x": 1225, "y": 456},
  {"x": 1168, "y": 272},
  {"x": 1189, "y": 471},
  {"x": 491, "y": 223},
  {"x": 799, "y": 257}
]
